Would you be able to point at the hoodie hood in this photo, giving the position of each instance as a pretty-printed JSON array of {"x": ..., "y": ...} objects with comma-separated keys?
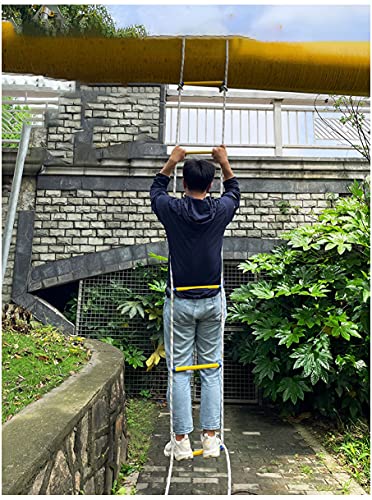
[{"x": 199, "y": 211}]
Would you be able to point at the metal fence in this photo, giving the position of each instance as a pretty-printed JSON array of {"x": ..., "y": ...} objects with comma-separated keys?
[
  {"x": 98, "y": 317},
  {"x": 261, "y": 123}
]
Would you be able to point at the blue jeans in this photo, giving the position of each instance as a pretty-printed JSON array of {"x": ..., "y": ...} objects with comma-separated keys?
[{"x": 196, "y": 322}]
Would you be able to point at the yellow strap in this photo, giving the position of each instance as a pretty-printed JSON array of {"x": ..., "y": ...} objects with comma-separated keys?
[
  {"x": 196, "y": 367},
  {"x": 184, "y": 288}
]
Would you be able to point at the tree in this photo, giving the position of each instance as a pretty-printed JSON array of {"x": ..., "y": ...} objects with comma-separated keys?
[
  {"x": 76, "y": 20},
  {"x": 353, "y": 120}
]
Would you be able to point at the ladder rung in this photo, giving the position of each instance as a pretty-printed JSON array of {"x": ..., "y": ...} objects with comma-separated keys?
[
  {"x": 196, "y": 367},
  {"x": 197, "y": 453},
  {"x": 200, "y": 152},
  {"x": 213, "y": 83},
  {"x": 184, "y": 288}
]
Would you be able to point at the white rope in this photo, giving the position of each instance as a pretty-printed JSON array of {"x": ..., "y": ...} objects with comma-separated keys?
[
  {"x": 228, "y": 465},
  {"x": 224, "y": 87},
  {"x": 171, "y": 329},
  {"x": 169, "y": 473},
  {"x": 180, "y": 88},
  {"x": 171, "y": 361},
  {"x": 171, "y": 326}
]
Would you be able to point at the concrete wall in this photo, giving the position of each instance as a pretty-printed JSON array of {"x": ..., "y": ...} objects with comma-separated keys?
[{"x": 73, "y": 440}]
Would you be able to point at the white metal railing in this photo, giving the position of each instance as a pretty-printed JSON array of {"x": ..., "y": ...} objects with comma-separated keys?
[
  {"x": 257, "y": 123},
  {"x": 23, "y": 109}
]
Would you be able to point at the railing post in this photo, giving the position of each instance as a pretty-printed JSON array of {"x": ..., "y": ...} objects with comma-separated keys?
[{"x": 278, "y": 137}]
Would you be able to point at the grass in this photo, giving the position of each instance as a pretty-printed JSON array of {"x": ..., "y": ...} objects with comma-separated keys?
[
  {"x": 36, "y": 362},
  {"x": 141, "y": 415},
  {"x": 306, "y": 469},
  {"x": 350, "y": 446}
]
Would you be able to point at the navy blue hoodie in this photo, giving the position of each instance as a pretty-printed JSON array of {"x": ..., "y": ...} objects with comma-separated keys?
[{"x": 195, "y": 234}]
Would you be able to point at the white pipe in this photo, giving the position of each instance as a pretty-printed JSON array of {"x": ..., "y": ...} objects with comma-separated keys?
[{"x": 13, "y": 200}]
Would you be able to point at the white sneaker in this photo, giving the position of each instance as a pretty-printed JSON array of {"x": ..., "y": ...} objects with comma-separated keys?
[
  {"x": 182, "y": 449},
  {"x": 211, "y": 445}
]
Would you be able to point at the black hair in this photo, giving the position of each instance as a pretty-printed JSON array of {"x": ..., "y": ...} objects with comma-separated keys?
[{"x": 198, "y": 174}]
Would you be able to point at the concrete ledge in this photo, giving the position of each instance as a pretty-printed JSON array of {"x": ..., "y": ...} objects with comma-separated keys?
[
  {"x": 34, "y": 437},
  {"x": 261, "y": 174},
  {"x": 34, "y": 160}
]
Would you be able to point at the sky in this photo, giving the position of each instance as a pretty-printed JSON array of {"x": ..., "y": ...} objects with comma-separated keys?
[{"x": 262, "y": 22}]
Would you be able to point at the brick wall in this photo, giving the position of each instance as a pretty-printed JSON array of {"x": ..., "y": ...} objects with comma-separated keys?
[
  {"x": 69, "y": 223},
  {"x": 108, "y": 115},
  {"x": 74, "y": 222}
]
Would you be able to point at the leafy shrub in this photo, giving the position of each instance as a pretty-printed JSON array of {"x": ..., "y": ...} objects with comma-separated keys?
[{"x": 306, "y": 317}]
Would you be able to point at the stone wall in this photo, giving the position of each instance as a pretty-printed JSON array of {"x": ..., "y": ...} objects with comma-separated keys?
[
  {"x": 100, "y": 152},
  {"x": 74, "y": 222},
  {"x": 102, "y": 116},
  {"x": 73, "y": 440}
]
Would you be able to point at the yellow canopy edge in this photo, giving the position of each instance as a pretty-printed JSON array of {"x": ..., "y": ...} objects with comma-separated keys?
[{"x": 324, "y": 67}]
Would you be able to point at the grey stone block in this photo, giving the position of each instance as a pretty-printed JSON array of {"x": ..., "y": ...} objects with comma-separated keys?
[
  {"x": 109, "y": 258},
  {"x": 25, "y": 300},
  {"x": 139, "y": 252},
  {"x": 77, "y": 265},
  {"x": 44, "y": 271},
  {"x": 93, "y": 263},
  {"x": 49, "y": 314},
  {"x": 49, "y": 282},
  {"x": 124, "y": 254},
  {"x": 65, "y": 278},
  {"x": 23, "y": 252}
]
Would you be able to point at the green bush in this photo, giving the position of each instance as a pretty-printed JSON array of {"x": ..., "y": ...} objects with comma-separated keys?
[{"x": 306, "y": 328}]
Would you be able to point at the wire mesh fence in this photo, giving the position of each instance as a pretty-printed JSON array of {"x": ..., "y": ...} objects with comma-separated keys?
[{"x": 98, "y": 317}]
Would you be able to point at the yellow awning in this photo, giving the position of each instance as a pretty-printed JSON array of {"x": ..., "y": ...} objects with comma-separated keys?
[{"x": 324, "y": 67}]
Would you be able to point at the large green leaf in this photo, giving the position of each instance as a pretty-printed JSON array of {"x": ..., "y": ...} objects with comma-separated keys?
[{"x": 293, "y": 388}]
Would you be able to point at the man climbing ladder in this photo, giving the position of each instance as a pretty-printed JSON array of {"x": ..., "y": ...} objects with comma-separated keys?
[{"x": 194, "y": 225}]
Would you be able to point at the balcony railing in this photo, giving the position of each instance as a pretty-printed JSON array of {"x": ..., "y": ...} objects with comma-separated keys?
[
  {"x": 257, "y": 123},
  {"x": 260, "y": 123}
]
